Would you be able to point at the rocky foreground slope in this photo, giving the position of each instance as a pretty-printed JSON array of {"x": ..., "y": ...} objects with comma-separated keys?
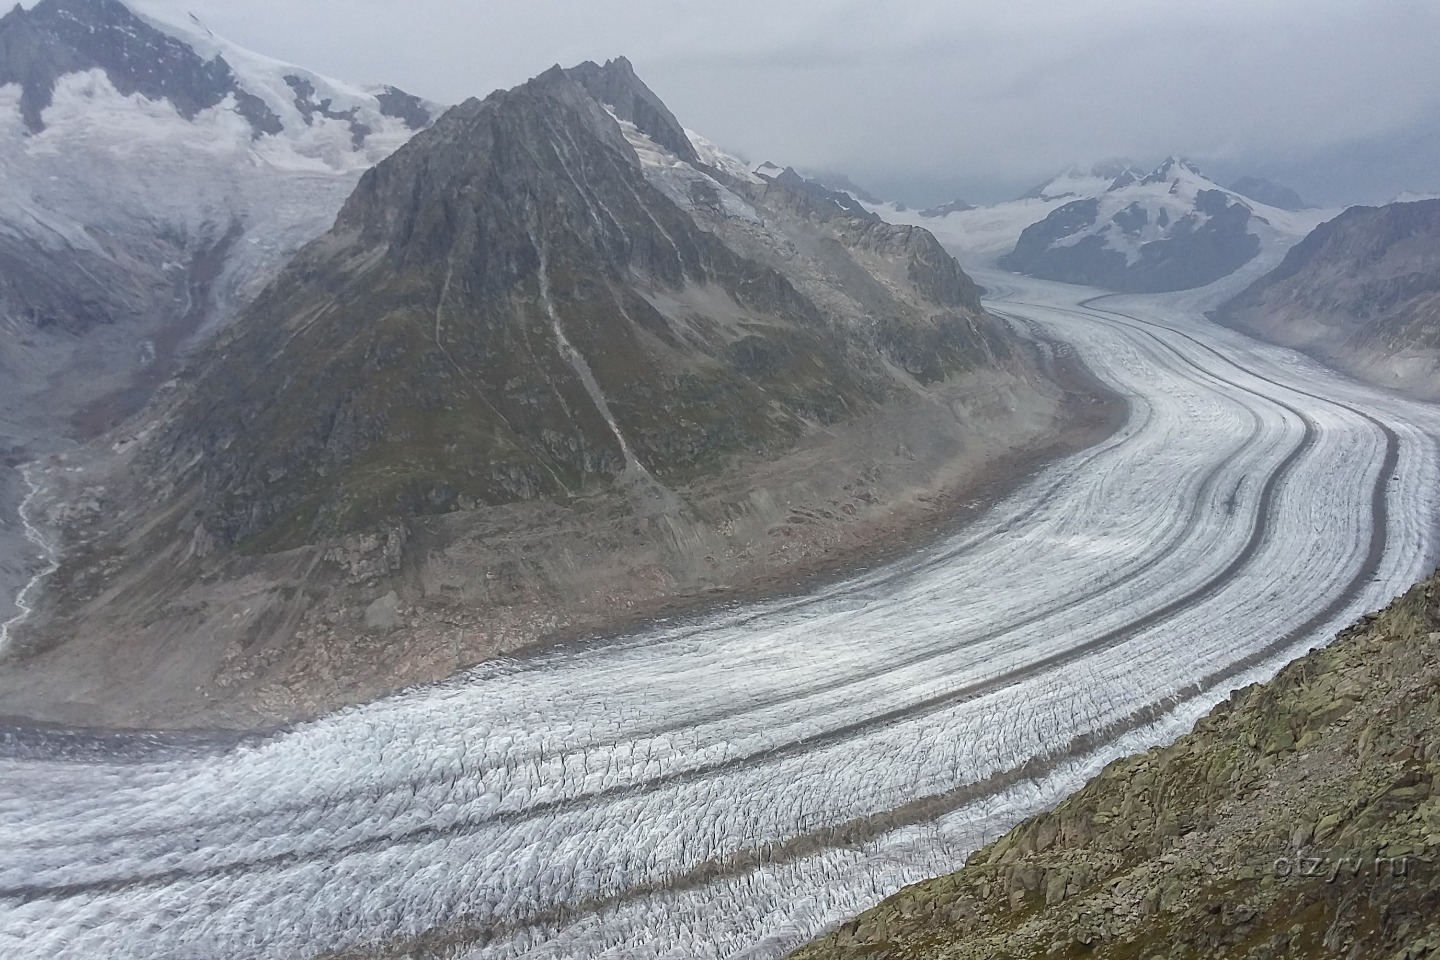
[
  {"x": 1300, "y": 819},
  {"x": 551, "y": 368},
  {"x": 1361, "y": 292}
]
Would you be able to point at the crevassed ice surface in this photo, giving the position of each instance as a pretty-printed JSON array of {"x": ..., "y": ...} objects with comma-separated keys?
[{"x": 731, "y": 785}]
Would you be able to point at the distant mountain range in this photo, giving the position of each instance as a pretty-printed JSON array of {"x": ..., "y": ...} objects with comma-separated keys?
[{"x": 1118, "y": 227}]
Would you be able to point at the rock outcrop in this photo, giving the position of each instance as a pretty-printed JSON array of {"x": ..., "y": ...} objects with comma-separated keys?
[{"x": 1300, "y": 819}]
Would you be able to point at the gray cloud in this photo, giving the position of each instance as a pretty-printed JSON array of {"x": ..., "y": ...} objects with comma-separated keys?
[{"x": 933, "y": 97}]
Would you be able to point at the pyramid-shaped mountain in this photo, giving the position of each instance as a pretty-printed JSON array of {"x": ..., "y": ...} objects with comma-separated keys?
[{"x": 510, "y": 308}]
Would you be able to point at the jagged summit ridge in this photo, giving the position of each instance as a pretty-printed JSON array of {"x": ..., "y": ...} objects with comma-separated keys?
[
  {"x": 616, "y": 85},
  {"x": 1172, "y": 168}
]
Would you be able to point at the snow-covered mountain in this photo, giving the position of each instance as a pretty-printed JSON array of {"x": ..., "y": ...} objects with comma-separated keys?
[
  {"x": 1173, "y": 229},
  {"x": 1120, "y": 228},
  {"x": 153, "y": 177}
]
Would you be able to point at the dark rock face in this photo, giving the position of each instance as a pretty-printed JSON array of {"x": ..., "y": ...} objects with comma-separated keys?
[
  {"x": 1039, "y": 252},
  {"x": 406, "y": 107},
  {"x": 617, "y": 86},
  {"x": 1269, "y": 193},
  {"x": 821, "y": 195},
  {"x": 67, "y": 291},
  {"x": 481, "y": 326},
  {"x": 59, "y": 37},
  {"x": 1110, "y": 243},
  {"x": 1361, "y": 291},
  {"x": 1124, "y": 180},
  {"x": 1194, "y": 255},
  {"x": 305, "y": 102},
  {"x": 1132, "y": 219}
]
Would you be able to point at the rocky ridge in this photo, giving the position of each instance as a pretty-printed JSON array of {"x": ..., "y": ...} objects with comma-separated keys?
[
  {"x": 1361, "y": 292},
  {"x": 1301, "y": 819}
]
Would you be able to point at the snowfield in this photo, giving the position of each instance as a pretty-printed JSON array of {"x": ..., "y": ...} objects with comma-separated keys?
[{"x": 728, "y": 787}]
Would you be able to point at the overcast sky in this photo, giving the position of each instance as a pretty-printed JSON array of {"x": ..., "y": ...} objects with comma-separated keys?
[{"x": 933, "y": 98}]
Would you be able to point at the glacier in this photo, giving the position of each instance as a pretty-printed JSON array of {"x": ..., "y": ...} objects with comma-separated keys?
[{"x": 731, "y": 784}]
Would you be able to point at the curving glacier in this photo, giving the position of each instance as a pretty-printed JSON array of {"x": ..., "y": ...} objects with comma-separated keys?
[{"x": 728, "y": 786}]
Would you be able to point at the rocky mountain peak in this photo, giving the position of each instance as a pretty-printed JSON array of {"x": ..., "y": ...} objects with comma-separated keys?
[
  {"x": 821, "y": 197},
  {"x": 485, "y": 166},
  {"x": 509, "y": 308},
  {"x": 616, "y": 85},
  {"x": 1174, "y": 229},
  {"x": 839, "y": 181},
  {"x": 1171, "y": 168},
  {"x": 538, "y": 356}
]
